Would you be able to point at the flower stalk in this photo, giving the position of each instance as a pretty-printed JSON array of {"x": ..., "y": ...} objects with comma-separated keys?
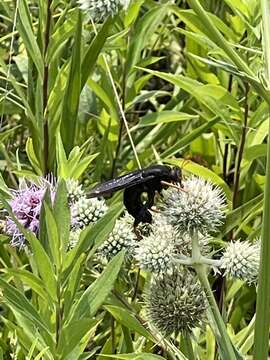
[
  {"x": 223, "y": 338},
  {"x": 261, "y": 340},
  {"x": 201, "y": 271}
]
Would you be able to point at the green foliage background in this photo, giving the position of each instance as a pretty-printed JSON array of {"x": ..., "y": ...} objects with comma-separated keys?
[{"x": 191, "y": 80}]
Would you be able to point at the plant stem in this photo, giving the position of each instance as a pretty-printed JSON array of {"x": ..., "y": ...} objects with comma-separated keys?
[
  {"x": 226, "y": 147},
  {"x": 223, "y": 339},
  {"x": 136, "y": 285},
  {"x": 240, "y": 151},
  {"x": 113, "y": 335},
  {"x": 261, "y": 338},
  {"x": 187, "y": 346},
  {"x": 201, "y": 270},
  {"x": 45, "y": 88}
]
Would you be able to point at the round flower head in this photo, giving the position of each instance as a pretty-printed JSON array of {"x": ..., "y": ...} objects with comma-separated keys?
[
  {"x": 100, "y": 9},
  {"x": 198, "y": 208},
  {"x": 241, "y": 260},
  {"x": 86, "y": 211},
  {"x": 121, "y": 237},
  {"x": 175, "y": 302},
  {"x": 26, "y": 205},
  {"x": 74, "y": 189},
  {"x": 155, "y": 252}
]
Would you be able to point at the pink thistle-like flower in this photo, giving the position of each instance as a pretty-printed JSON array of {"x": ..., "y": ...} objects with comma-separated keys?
[{"x": 26, "y": 205}]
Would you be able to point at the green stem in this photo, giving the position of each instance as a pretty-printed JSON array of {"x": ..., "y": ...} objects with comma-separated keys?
[
  {"x": 187, "y": 346},
  {"x": 45, "y": 88},
  {"x": 261, "y": 338},
  {"x": 201, "y": 270},
  {"x": 223, "y": 338}
]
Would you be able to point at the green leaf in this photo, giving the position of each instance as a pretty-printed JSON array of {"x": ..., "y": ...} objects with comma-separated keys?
[
  {"x": 165, "y": 117},
  {"x": 72, "y": 335},
  {"x": 44, "y": 266},
  {"x": 187, "y": 139},
  {"x": 96, "y": 294},
  {"x": 93, "y": 51},
  {"x": 53, "y": 237},
  {"x": 72, "y": 93},
  {"x": 128, "y": 320},
  {"x": 237, "y": 216},
  {"x": 73, "y": 283},
  {"x": 214, "y": 97},
  {"x": 135, "y": 356},
  {"x": 15, "y": 299},
  {"x": 144, "y": 30},
  {"x": 92, "y": 236},
  {"x": 62, "y": 214},
  {"x": 61, "y": 34},
  {"x": 25, "y": 29},
  {"x": 29, "y": 279}
]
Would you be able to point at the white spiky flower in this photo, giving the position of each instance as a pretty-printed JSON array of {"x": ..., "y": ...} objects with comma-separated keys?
[
  {"x": 121, "y": 237},
  {"x": 175, "y": 302},
  {"x": 86, "y": 211},
  {"x": 241, "y": 260},
  {"x": 74, "y": 189},
  {"x": 100, "y": 9},
  {"x": 155, "y": 252},
  {"x": 200, "y": 207}
]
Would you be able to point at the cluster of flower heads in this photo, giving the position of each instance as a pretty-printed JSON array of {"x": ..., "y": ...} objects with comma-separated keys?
[
  {"x": 175, "y": 300},
  {"x": 100, "y": 9}
]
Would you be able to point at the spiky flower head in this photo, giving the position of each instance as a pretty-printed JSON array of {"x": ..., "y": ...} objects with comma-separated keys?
[
  {"x": 101, "y": 9},
  {"x": 175, "y": 302},
  {"x": 200, "y": 207},
  {"x": 155, "y": 252},
  {"x": 121, "y": 237},
  {"x": 74, "y": 189},
  {"x": 26, "y": 205},
  {"x": 241, "y": 260},
  {"x": 86, "y": 211}
]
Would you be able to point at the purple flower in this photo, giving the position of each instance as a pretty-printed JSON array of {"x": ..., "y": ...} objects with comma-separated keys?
[{"x": 26, "y": 205}]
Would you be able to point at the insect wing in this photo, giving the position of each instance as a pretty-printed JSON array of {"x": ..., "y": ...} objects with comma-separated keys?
[{"x": 119, "y": 183}]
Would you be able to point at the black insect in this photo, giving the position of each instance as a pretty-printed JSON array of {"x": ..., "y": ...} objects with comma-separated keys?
[{"x": 149, "y": 180}]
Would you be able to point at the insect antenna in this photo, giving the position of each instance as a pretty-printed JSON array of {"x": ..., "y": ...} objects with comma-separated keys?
[{"x": 172, "y": 185}]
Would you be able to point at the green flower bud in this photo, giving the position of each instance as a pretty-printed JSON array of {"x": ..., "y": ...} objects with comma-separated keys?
[{"x": 175, "y": 302}]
